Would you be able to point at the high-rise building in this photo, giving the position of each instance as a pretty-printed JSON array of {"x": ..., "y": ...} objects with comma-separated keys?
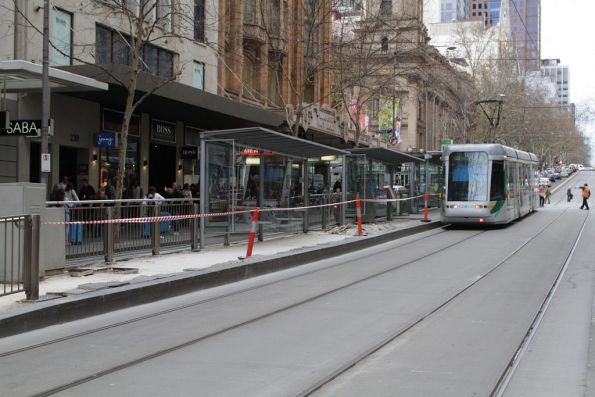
[
  {"x": 526, "y": 29},
  {"x": 453, "y": 10},
  {"x": 560, "y": 76},
  {"x": 444, "y": 11},
  {"x": 525, "y": 25},
  {"x": 487, "y": 11}
]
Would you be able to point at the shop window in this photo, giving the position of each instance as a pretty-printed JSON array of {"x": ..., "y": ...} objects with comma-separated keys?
[{"x": 109, "y": 162}]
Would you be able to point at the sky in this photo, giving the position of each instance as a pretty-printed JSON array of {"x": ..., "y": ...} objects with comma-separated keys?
[{"x": 567, "y": 31}]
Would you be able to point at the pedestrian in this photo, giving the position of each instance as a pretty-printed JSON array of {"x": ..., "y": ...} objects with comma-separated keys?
[
  {"x": 569, "y": 195},
  {"x": 548, "y": 193},
  {"x": 586, "y": 195},
  {"x": 153, "y": 195},
  {"x": 186, "y": 191},
  {"x": 541, "y": 195},
  {"x": 87, "y": 192},
  {"x": 70, "y": 193}
]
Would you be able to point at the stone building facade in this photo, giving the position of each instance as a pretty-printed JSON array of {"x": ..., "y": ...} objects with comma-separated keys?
[{"x": 431, "y": 91}]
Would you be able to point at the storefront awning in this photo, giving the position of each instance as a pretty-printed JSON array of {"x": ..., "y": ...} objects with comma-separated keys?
[
  {"x": 273, "y": 141},
  {"x": 21, "y": 76},
  {"x": 176, "y": 101},
  {"x": 387, "y": 156}
]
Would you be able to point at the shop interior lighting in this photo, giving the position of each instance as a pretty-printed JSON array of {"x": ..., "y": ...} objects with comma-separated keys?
[
  {"x": 252, "y": 161},
  {"x": 328, "y": 158}
]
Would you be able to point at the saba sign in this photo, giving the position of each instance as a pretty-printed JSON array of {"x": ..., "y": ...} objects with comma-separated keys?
[{"x": 22, "y": 128}]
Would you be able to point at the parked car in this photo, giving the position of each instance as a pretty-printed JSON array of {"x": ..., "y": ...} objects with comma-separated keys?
[
  {"x": 564, "y": 173},
  {"x": 556, "y": 176},
  {"x": 545, "y": 181}
]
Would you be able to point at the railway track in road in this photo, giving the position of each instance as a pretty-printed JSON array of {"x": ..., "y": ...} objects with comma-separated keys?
[
  {"x": 325, "y": 378},
  {"x": 509, "y": 371}
]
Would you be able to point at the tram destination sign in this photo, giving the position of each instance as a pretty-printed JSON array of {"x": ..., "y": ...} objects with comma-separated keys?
[{"x": 22, "y": 128}]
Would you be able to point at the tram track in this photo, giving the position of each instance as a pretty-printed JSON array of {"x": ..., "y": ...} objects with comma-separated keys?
[
  {"x": 510, "y": 370},
  {"x": 329, "y": 378},
  {"x": 196, "y": 303},
  {"x": 318, "y": 384},
  {"x": 177, "y": 347}
]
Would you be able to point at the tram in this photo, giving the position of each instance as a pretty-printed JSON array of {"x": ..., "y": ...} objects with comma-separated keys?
[{"x": 487, "y": 184}]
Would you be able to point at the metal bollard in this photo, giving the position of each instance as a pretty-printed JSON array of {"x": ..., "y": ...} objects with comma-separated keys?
[
  {"x": 426, "y": 198},
  {"x": 155, "y": 231},
  {"x": 252, "y": 232},
  {"x": 108, "y": 238},
  {"x": 194, "y": 232},
  {"x": 358, "y": 211}
]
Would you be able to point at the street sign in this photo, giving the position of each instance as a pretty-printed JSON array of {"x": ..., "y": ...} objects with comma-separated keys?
[
  {"x": 46, "y": 162},
  {"x": 446, "y": 141}
]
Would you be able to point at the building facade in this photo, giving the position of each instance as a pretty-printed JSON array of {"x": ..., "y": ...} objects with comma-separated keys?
[
  {"x": 429, "y": 91},
  {"x": 89, "y": 39},
  {"x": 559, "y": 75},
  {"x": 526, "y": 30}
]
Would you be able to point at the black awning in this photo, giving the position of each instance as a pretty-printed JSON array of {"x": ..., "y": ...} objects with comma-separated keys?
[
  {"x": 387, "y": 156},
  {"x": 273, "y": 141},
  {"x": 176, "y": 101}
]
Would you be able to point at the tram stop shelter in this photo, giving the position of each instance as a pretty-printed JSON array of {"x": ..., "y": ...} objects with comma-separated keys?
[
  {"x": 245, "y": 168},
  {"x": 373, "y": 175}
]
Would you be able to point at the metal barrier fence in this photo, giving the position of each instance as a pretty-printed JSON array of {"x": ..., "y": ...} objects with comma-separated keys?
[
  {"x": 88, "y": 236},
  {"x": 19, "y": 258},
  {"x": 106, "y": 229}
]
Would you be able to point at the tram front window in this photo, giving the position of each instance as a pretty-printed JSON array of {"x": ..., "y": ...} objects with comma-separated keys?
[{"x": 468, "y": 176}]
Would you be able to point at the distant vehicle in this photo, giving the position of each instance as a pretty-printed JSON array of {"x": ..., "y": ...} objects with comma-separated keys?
[
  {"x": 556, "y": 176},
  {"x": 545, "y": 181},
  {"x": 564, "y": 173},
  {"x": 477, "y": 190}
]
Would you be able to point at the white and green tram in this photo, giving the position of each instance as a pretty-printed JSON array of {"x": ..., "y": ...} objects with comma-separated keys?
[{"x": 487, "y": 183}]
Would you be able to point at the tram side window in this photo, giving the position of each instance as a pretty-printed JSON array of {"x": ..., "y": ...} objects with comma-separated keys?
[{"x": 497, "y": 182}]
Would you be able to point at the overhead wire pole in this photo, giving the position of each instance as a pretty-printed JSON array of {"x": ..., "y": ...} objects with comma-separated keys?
[{"x": 45, "y": 93}]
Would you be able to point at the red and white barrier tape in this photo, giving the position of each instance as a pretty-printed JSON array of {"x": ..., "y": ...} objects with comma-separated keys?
[{"x": 165, "y": 218}]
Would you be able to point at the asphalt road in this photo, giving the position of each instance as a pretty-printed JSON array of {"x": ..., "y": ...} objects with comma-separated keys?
[{"x": 441, "y": 313}]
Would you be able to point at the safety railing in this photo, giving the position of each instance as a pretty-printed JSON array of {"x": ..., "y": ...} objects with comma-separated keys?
[
  {"x": 111, "y": 228},
  {"x": 19, "y": 255}
]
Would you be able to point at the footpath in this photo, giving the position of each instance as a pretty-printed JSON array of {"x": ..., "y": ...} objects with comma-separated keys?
[{"x": 96, "y": 289}]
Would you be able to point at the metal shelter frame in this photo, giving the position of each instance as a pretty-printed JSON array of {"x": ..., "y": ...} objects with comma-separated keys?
[{"x": 264, "y": 140}]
